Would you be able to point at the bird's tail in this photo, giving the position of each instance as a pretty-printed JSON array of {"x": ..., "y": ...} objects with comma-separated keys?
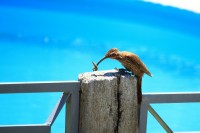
[{"x": 139, "y": 89}]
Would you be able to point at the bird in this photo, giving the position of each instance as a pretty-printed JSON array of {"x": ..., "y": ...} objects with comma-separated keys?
[{"x": 132, "y": 63}]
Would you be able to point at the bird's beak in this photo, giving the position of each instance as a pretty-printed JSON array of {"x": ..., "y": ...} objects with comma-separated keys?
[
  {"x": 101, "y": 60},
  {"x": 96, "y": 65}
]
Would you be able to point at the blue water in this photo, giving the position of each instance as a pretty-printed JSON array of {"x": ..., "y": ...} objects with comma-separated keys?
[{"x": 48, "y": 41}]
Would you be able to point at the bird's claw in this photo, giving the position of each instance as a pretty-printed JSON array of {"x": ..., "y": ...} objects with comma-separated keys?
[{"x": 123, "y": 71}]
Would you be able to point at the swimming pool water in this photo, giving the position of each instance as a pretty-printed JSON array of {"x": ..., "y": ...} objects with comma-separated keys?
[{"x": 46, "y": 45}]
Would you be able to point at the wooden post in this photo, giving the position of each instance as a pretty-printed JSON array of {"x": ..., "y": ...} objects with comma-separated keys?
[{"x": 108, "y": 103}]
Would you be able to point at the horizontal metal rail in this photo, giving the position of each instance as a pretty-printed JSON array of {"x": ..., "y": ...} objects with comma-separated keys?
[
  {"x": 29, "y": 87},
  {"x": 153, "y": 98},
  {"x": 29, "y": 128},
  {"x": 175, "y": 97},
  {"x": 70, "y": 97}
]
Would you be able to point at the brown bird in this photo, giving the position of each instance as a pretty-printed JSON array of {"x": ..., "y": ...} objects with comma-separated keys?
[{"x": 132, "y": 63}]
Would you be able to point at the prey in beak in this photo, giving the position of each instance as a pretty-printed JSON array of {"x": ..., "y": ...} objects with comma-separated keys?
[{"x": 95, "y": 68}]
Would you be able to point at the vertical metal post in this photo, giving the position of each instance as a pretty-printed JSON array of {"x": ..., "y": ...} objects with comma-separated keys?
[
  {"x": 143, "y": 117},
  {"x": 72, "y": 113},
  {"x": 68, "y": 115},
  {"x": 57, "y": 109}
]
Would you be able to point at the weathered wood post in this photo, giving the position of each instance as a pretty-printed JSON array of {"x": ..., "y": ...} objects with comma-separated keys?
[{"x": 108, "y": 103}]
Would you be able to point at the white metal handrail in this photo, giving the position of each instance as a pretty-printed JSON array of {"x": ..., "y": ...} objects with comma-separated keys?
[
  {"x": 70, "y": 96},
  {"x": 153, "y": 98}
]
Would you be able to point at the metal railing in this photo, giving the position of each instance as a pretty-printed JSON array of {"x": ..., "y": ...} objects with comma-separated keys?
[
  {"x": 70, "y": 97},
  {"x": 153, "y": 98}
]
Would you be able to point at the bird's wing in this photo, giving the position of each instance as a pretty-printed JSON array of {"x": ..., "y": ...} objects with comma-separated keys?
[
  {"x": 133, "y": 58},
  {"x": 136, "y": 60}
]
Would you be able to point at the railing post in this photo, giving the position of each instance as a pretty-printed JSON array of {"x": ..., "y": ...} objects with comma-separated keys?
[
  {"x": 108, "y": 103},
  {"x": 143, "y": 116},
  {"x": 72, "y": 113}
]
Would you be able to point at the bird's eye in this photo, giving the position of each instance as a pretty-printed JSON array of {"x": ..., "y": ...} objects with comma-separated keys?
[{"x": 113, "y": 54}]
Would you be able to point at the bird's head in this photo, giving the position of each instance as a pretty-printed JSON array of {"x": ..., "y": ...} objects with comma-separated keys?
[{"x": 112, "y": 53}]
